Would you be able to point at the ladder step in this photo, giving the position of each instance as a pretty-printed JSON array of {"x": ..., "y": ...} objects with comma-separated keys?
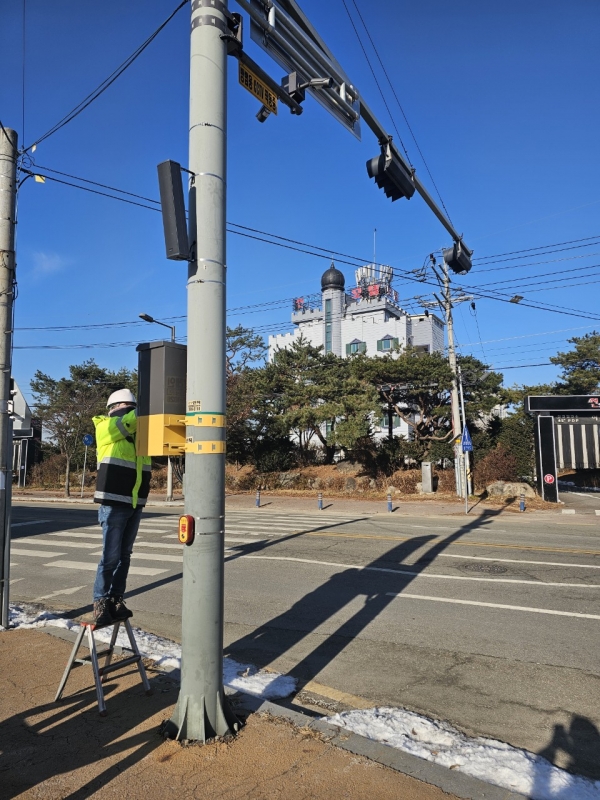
[
  {"x": 118, "y": 665},
  {"x": 107, "y": 653}
]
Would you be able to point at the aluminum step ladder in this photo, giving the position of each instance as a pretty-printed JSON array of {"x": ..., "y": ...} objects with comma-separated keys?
[{"x": 100, "y": 672}]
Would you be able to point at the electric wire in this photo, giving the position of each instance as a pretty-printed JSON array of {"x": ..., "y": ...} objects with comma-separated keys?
[
  {"x": 391, "y": 85},
  {"x": 367, "y": 59},
  {"x": 104, "y": 85},
  {"x": 353, "y": 261}
]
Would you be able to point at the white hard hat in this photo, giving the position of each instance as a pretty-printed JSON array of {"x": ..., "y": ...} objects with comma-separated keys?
[{"x": 121, "y": 396}]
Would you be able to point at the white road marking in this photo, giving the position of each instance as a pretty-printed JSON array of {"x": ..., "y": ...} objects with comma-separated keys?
[
  {"x": 155, "y": 544},
  {"x": 520, "y": 561},
  {"x": 171, "y": 536},
  {"x": 244, "y": 541},
  {"x": 423, "y": 574},
  {"x": 437, "y": 528},
  {"x": 93, "y": 567},
  {"x": 494, "y": 605},
  {"x": 37, "y": 541},
  {"x": 58, "y": 593},
  {"x": 33, "y": 522},
  {"x": 77, "y": 535},
  {"x": 149, "y": 556},
  {"x": 36, "y": 553},
  {"x": 153, "y": 530},
  {"x": 15, "y": 580}
]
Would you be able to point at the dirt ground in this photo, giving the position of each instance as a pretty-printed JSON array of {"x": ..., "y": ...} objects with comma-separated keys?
[{"x": 51, "y": 751}]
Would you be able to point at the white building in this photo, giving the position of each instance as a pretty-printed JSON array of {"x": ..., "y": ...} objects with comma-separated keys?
[{"x": 368, "y": 320}]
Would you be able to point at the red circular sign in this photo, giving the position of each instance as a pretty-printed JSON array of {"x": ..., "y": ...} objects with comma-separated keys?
[{"x": 548, "y": 478}]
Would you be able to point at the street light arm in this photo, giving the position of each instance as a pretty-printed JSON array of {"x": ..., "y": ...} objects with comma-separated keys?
[{"x": 148, "y": 318}]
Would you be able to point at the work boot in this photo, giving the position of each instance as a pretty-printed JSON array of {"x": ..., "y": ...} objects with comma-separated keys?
[
  {"x": 119, "y": 610},
  {"x": 102, "y": 612}
]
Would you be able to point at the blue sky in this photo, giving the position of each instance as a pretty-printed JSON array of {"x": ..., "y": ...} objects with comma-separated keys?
[{"x": 503, "y": 101}]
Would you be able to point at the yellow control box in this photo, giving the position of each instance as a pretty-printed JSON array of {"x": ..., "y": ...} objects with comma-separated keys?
[{"x": 162, "y": 368}]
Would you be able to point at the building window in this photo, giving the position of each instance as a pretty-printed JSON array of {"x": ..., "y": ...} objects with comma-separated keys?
[
  {"x": 328, "y": 337},
  {"x": 386, "y": 420},
  {"x": 356, "y": 346},
  {"x": 387, "y": 343}
]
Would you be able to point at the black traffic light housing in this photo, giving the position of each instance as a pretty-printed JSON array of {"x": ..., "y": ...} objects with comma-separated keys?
[
  {"x": 458, "y": 258},
  {"x": 391, "y": 174}
]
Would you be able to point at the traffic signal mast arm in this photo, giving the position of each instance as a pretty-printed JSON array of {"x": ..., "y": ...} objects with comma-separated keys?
[
  {"x": 292, "y": 41},
  {"x": 385, "y": 139}
]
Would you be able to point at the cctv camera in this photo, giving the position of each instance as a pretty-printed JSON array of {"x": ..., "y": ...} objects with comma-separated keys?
[{"x": 263, "y": 114}]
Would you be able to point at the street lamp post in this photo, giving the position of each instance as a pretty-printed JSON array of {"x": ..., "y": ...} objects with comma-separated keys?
[{"x": 148, "y": 318}]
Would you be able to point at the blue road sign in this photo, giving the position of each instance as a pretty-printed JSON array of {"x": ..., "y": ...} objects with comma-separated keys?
[
  {"x": 88, "y": 439},
  {"x": 465, "y": 442}
]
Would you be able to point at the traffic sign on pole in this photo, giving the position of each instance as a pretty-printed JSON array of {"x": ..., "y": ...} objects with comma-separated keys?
[
  {"x": 88, "y": 440},
  {"x": 465, "y": 442}
]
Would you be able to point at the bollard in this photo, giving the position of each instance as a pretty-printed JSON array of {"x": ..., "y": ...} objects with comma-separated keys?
[
  {"x": 258, "y": 498},
  {"x": 320, "y": 501},
  {"x": 522, "y": 502},
  {"x": 389, "y": 501}
]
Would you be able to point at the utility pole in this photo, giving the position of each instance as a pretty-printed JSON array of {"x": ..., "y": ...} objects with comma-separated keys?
[
  {"x": 8, "y": 196},
  {"x": 202, "y": 711},
  {"x": 456, "y": 426},
  {"x": 446, "y": 303}
]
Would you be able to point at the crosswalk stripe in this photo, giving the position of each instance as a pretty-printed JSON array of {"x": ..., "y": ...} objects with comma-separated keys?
[
  {"x": 36, "y": 553},
  {"x": 149, "y": 556},
  {"x": 153, "y": 530},
  {"x": 93, "y": 567},
  {"x": 155, "y": 544},
  {"x": 77, "y": 535},
  {"x": 81, "y": 545},
  {"x": 32, "y": 522}
]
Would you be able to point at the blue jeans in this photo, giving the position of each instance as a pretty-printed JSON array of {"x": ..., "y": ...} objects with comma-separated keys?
[{"x": 119, "y": 528}]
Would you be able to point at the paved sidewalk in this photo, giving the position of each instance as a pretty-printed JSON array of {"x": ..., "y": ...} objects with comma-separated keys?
[
  {"x": 426, "y": 507},
  {"x": 52, "y": 751}
]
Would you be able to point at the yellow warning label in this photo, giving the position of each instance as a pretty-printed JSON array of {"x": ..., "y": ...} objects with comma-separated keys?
[{"x": 205, "y": 448}]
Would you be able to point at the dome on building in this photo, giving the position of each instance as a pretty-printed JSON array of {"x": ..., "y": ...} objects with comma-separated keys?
[{"x": 333, "y": 279}]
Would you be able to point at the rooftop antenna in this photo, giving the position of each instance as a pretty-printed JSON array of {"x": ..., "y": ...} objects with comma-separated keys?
[{"x": 374, "y": 247}]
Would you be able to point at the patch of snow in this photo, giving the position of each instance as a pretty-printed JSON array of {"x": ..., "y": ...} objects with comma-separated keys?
[
  {"x": 165, "y": 653},
  {"x": 487, "y": 759}
]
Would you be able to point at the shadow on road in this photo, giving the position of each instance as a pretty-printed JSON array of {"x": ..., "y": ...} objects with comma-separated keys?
[
  {"x": 580, "y": 743},
  {"x": 282, "y": 633}
]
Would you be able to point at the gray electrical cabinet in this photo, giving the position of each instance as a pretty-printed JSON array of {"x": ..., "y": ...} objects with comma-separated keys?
[{"x": 162, "y": 370}]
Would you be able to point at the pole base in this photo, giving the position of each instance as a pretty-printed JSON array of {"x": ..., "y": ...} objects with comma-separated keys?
[{"x": 190, "y": 721}]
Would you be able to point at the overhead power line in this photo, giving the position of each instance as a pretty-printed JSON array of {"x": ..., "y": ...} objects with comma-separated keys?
[
  {"x": 540, "y": 247},
  {"x": 391, "y": 85},
  {"x": 353, "y": 261},
  {"x": 102, "y": 87}
]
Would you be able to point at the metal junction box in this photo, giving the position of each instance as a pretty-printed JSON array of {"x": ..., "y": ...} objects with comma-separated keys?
[{"x": 162, "y": 370}]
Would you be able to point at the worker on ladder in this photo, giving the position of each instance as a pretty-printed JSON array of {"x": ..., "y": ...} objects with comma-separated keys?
[{"x": 122, "y": 486}]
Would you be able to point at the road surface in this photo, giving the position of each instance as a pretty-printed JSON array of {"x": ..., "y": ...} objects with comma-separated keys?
[{"x": 489, "y": 622}]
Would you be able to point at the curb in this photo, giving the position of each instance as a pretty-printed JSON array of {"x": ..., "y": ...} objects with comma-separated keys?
[
  {"x": 457, "y": 783},
  {"x": 86, "y": 501}
]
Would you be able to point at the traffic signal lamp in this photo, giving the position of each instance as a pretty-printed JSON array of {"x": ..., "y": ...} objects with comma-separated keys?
[
  {"x": 391, "y": 174},
  {"x": 458, "y": 258}
]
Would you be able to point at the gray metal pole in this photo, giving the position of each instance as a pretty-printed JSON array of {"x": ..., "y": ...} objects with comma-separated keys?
[
  {"x": 202, "y": 711},
  {"x": 464, "y": 422},
  {"x": 83, "y": 473},
  {"x": 8, "y": 195},
  {"x": 453, "y": 366},
  {"x": 169, "y": 479}
]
